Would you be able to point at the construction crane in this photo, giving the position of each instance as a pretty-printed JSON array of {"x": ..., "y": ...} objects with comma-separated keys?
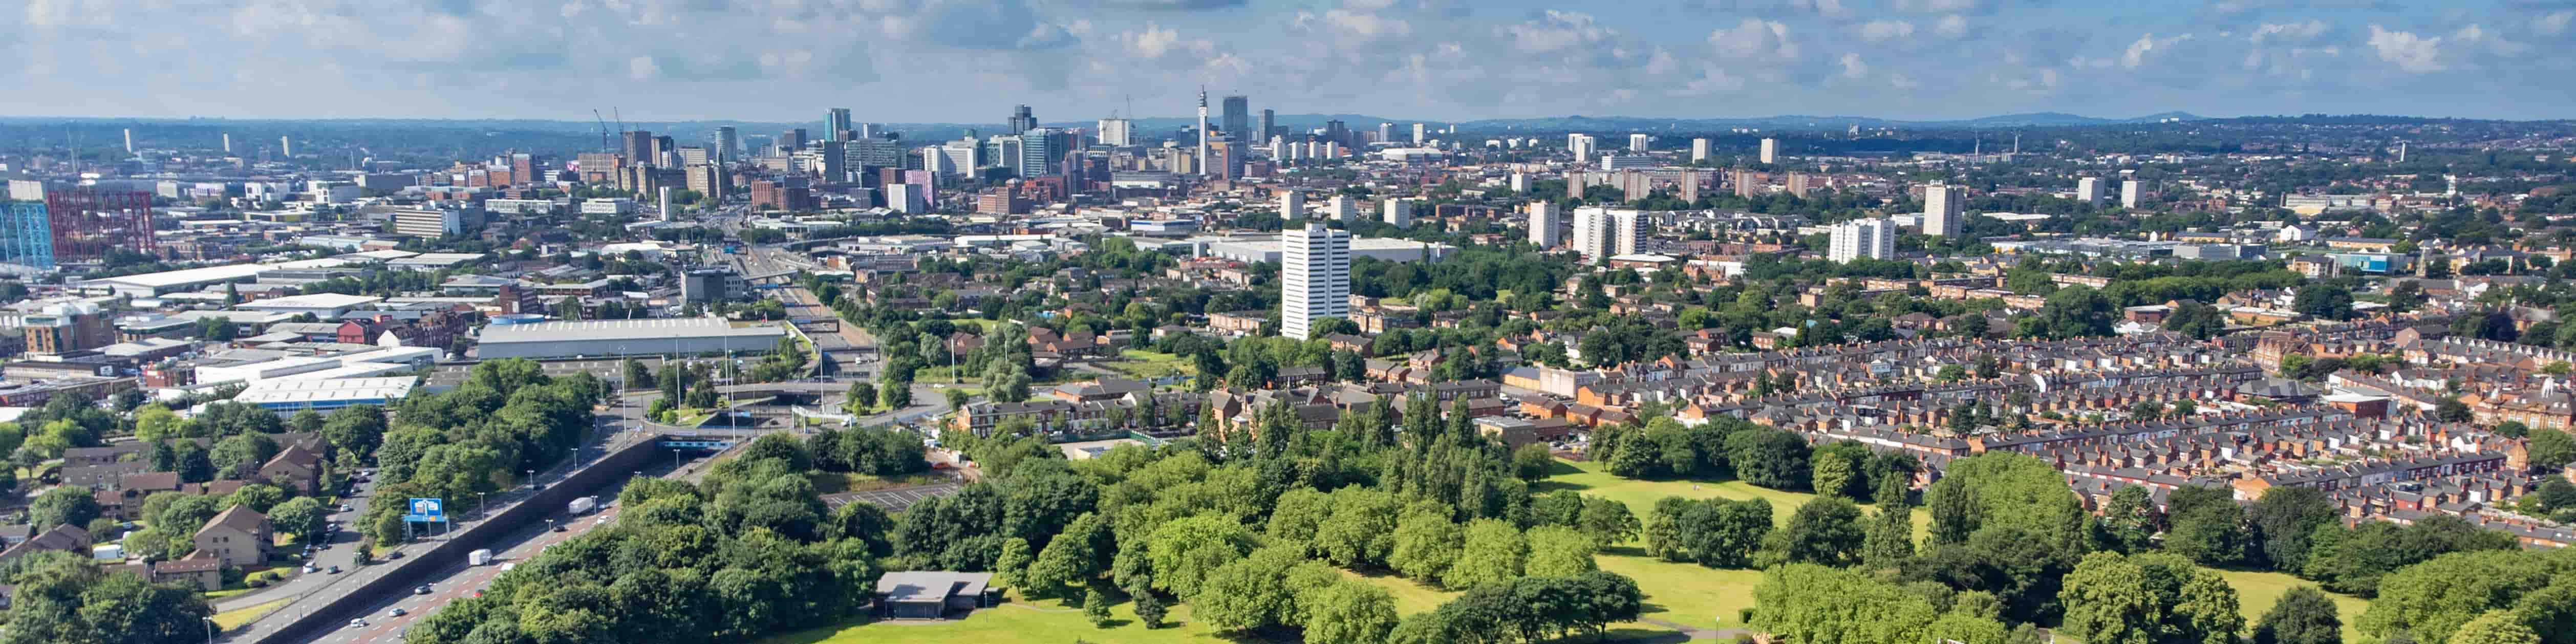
[{"x": 603, "y": 128}]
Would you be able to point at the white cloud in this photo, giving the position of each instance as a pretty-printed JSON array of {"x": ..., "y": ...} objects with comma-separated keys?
[
  {"x": 1951, "y": 26},
  {"x": 1355, "y": 25},
  {"x": 2554, "y": 23},
  {"x": 2409, "y": 52},
  {"x": 1852, "y": 66},
  {"x": 1156, "y": 42},
  {"x": 2289, "y": 31},
  {"x": 1826, "y": 8},
  {"x": 1884, "y": 30},
  {"x": 1936, "y": 6},
  {"x": 1754, "y": 39},
  {"x": 2147, "y": 47},
  {"x": 1556, "y": 32},
  {"x": 642, "y": 68}
]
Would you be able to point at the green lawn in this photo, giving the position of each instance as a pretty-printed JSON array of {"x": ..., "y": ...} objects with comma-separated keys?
[
  {"x": 1641, "y": 495},
  {"x": 1149, "y": 364},
  {"x": 1687, "y": 593},
  {"x": 1020, "y": 620},
  {"x": 233, "y": 619},
  {"x": 2256, "y": 592},
  {"x": 1410, "y": 597}
]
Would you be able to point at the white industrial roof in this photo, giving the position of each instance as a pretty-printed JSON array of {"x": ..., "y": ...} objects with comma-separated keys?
[
  {"x": 312, "y": 301},
  {"x": 285, "y": 391},
  {"x": 640, "y": 331},
  {"x": 188, "y": 275}
]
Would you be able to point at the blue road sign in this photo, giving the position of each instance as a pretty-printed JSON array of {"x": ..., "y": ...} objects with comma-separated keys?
[{"x": 426, "y": 510}]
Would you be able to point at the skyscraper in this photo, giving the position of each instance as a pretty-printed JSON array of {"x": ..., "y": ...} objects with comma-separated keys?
[
  {"x": 1418, "y": 138},
  {"x": 1641, "y": 143},
  {"x": 1342, "y": 208},
  {"x": 1385, "y": 132},
  {"x": 1770, "y": 150},
  {"x": 1266, "y": 128},
  {"x": 1398, "y": 212},
  {"x": 1602, "y": 233},
  {"x": 1546, "y": 224},
  {"x": 1238, "y": 118},
  {"x": 2089, "y": 191},
  {"x": 1871, "y": 238},
  {"x": 2129, "y": 193},
  {"x": 1699, "y": 150},
  {"x": 836, "y": 124},
  {"x": 228, "y": 143},
  {"x": 1116, "y": 132},
  {"x": 638, "y": 146},
  {"x": 728, "y": 144},
  {"x": 1203, "y": 133},
  {"x": 1942, "y": 214},
  {"x": 1581, "y": 144},
  {"x": 1022, "y": 120},
  {"x": 1314, "y": 278},
  {"x": 1039, "y": 150},
  {"x": 286, "y": 147},
  {"x": 1292, "y": 205}
]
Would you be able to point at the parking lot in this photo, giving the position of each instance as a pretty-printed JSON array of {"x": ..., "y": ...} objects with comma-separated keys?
[{"x": 894, "y": 500}]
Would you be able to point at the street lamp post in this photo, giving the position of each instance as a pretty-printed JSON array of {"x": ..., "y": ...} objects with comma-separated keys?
[
  {"x": 478, "y": 504},
  {"x": 210, "y": 629}
]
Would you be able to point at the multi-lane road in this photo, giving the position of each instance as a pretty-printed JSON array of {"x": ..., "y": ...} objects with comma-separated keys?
[{"x": 462, "y": 581}]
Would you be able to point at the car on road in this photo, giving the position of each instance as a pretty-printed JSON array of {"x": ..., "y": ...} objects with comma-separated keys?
[
  {"x": 358, "y": 623},
  {"x": 335, "y": 570},
  {"x": 422, "y": 590},
  {"x": 397, "y": 612},
  {"x": 344, "y": 507}
]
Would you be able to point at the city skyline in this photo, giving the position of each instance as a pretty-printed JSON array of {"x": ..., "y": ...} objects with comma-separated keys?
[{"x": 1922, "y": 59}]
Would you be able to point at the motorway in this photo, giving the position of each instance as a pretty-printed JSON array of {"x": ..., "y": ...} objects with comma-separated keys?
[
  {"x": 322, "y": 588},
  {"x": 461, "y": 581}
]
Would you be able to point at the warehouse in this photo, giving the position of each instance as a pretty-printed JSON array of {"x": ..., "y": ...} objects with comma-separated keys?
[
  {"x": 324, "y": 395},
  {"x": 677, "y": 336}
]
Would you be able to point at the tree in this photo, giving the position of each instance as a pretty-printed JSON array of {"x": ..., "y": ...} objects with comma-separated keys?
[
  {"x": 1361, "y": 529},
  {"x": 2207, "y": 526},
  {"x": 2303, "y": 616},
  {"x": 301, "y": 516},
  {"x": 259, "y": 497},
  {"x": 1491, "y": 551},
  {"x": 154, "y": 423},
  {"x": 1013, "y": 567},
  {"x": 1427, "y": 543},
  {"x": 1558, "y": 551},
  {"x": 2284, "y": 519},
  {"x": 861, "y": 397},
  {"x": 1608, "y": 522},
  {"x": 69, "y": 505},
  {"x": 2146, "y": 599},
  {"x": 355, "y": 432},
  {"x": 2129, "y": 521},
  {"x": 2551, "y": 449},
  {"x": 1350, "y": 612},
  {"x": 2495, "y": 627},
  {"x": 1832, "y": 476},
  {"x": 239, "y": 456},
  {"x": 1184, "y": 553},
  {"x": 1769, "y": 458},
  {"x": 2323, "y": 301},
  {"x": 1811, "y": 603},
  {"x": 1824, "y": 531},
  {"x": 1531, "y": 462},
  {"x": 1095, "y": 605},
  {"x": 895, "y": 395},
  {"x": 1149, "y": 608},
  {"x": 1891, "y": 537},
  {"x": 2436, "y": 600}
]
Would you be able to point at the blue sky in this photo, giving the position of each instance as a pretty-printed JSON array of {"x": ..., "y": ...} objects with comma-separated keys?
[{"x": 961, "y": 61}]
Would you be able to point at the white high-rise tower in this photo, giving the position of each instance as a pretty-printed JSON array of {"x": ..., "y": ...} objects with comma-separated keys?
[
  {"x": 2089, "y": 191},
  {"x": 1871, "y": 238},
  {"x": 1292, "y": 205},
  {"x": 1203, "y": 132},
  {"x": 1545, "y": 218},
  {"x": 1314, "y": 278},
  {"x": 1944, "y": 210}
]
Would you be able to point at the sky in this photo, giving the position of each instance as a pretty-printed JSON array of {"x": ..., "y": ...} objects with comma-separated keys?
[{"x": 962, "y": 61}]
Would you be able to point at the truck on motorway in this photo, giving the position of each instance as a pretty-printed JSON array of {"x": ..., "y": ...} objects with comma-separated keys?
[
  {"x": 478, "y": 557},
  {"x": 583, "y": 505}
]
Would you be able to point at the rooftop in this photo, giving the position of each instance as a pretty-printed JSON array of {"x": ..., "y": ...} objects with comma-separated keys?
[
  {"x": 293, "y": 391},
  {"x": 640, "y": 331},
  {"x": 313, "y": 301}
]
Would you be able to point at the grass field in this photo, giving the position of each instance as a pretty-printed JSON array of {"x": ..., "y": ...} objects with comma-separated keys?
[
  {"x": 233, "y": 619},
  {"x": 1149, "y": 364},
  {"x": 1641, "y": 495},
  {"x": 1020, "y": 620},
  {"x": 2256, "y": 592}
]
